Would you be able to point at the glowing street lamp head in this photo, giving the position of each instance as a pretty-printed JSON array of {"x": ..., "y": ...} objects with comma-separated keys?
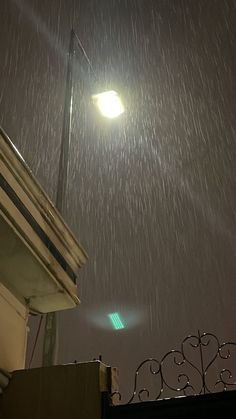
[{"x": 109, "y": 104}]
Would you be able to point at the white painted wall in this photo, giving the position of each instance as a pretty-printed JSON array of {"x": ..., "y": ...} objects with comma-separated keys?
[{"x": 13, "y": 331}]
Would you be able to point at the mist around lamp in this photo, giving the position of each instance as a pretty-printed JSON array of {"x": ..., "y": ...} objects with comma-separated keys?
[{"x": 109, "y": 104}]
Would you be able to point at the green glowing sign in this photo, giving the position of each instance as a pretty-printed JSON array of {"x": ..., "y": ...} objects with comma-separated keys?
[{"x": 116, "y": 321}]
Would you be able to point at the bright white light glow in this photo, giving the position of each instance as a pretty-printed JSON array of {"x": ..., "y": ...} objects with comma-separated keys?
[{"x": 109, "y": 104}]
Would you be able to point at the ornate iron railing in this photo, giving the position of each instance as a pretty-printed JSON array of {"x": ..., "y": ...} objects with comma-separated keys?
[{"x": 200, "y": 365}]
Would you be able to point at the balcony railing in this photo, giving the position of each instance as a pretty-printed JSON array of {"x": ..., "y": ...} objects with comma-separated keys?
[{"x": 202, "y": 365}]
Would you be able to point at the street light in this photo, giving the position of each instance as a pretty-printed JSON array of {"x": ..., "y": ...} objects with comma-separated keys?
[{"x": 110, "y": 106}]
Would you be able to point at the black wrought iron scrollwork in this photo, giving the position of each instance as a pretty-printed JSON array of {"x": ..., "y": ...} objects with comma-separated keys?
[
  {"x": 197, "y": 373},
  {"x": 152, "y": 371}
]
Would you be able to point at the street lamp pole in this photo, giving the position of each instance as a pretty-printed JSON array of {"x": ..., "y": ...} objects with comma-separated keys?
[
  {"x": 50, "y": 331},
  {"x": 66, "y": 129}
]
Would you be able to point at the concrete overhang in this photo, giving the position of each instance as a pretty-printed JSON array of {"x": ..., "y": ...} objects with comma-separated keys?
[{"x": 39, "y": 256}]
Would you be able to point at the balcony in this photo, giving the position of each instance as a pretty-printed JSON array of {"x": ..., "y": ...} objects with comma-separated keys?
[{"x": 39, "y": 256}]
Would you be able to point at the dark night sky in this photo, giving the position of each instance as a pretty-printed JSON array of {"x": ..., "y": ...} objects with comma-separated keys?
[{"x": 151, "y": 196}]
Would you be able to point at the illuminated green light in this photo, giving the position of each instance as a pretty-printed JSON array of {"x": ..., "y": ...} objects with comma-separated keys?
[{"x": 116, "y": 321}]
